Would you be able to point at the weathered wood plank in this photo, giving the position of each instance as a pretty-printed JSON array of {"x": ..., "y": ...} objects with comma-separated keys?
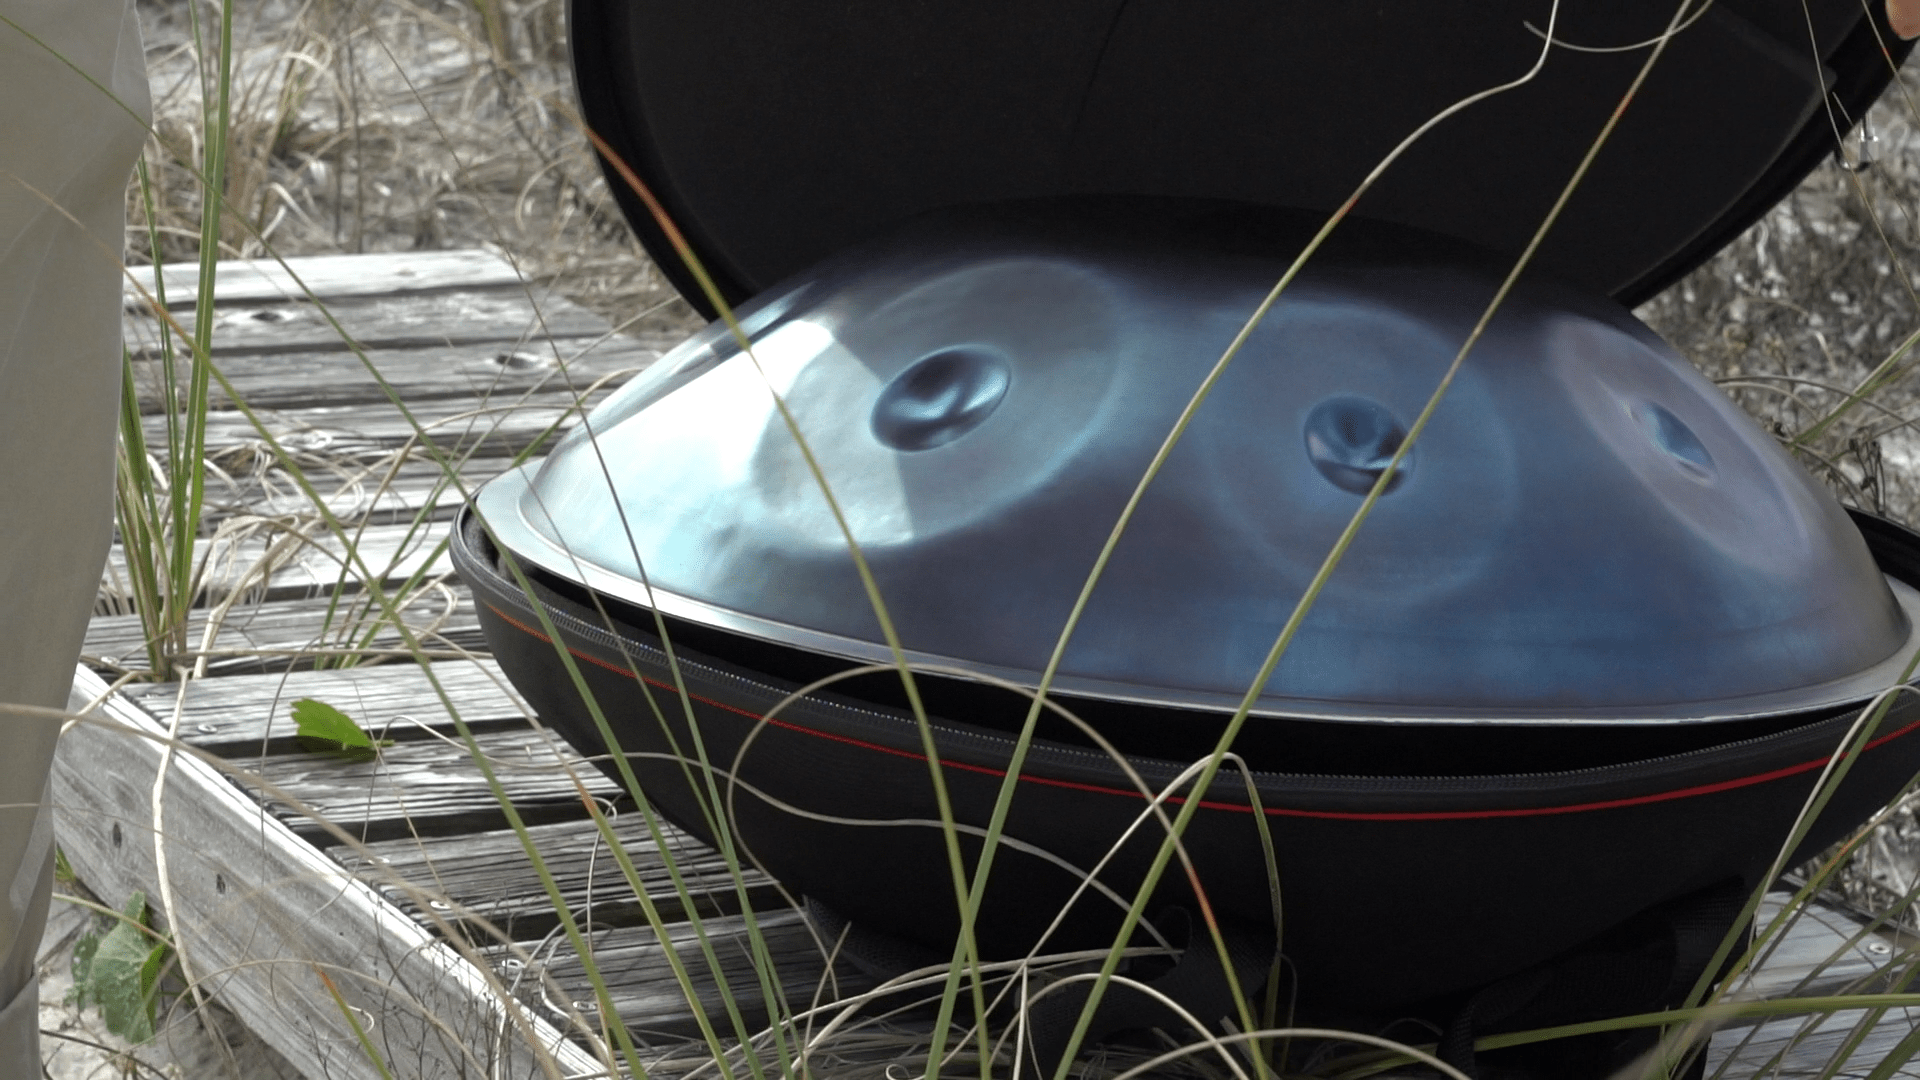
[
  {"x": 1792, "y": 1048},
  {"x": 406, "y": 321},
  {"x": 248, "y": 715},
  {"x": 491, "y": 371},
  {"x": 644, "y": 992},
  {"x": 259, "y": 911},
  {"x": 488, "y": 875},
  {"x": 359, "y": 493},
  {"x": 434, "y": 788},
  {"x": 1824, "y": 952},
  {"x": 506, "y": 425},
  {"x": 274, "y": 637},
  {"x": 271, "y": 563},
  {"x": 328, "y": 276}
]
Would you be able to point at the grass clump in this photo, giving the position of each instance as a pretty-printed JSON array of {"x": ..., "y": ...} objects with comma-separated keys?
[{"x": 402, "y": 126}]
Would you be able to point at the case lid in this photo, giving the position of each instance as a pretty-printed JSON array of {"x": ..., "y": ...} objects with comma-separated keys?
[{"x": 777, "y": 134}]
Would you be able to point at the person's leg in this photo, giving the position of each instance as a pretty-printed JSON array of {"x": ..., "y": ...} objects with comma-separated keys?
[{"x": 66, "y": 147}]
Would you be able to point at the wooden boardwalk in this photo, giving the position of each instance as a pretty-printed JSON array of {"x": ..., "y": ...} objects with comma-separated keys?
[
  {"x": 265, "y": 898},
  {"x": 270, "y": 906}
]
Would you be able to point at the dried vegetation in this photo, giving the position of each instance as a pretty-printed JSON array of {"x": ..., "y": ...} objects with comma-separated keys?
[{"x": 397, "y": 126}]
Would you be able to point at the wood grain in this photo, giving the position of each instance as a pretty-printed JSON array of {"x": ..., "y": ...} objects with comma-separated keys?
[
  {"x": 484, "y": 372},
  {"x": 649, "y": 999},
  {"x": 1792, "y": 1048},
  {"x": 1824, "y": 952},
  {"x": 243, "y": 716},
  {"x": 489, "y": 875},
  {"x": 358, "y": 494},
  {"x": 285, "y": 635},
  {"x": 272, "y": 562},
  {"x": 504, "y": 425},
  {"x": 405, "y": 321},
  {"x": 434, "y": 788},
  {"x": 327, "y": 277}
]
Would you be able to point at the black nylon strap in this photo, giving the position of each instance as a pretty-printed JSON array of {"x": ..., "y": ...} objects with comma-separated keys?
[
  {"x": 1648, "y": 963},
  {"x": 1197, "y": 983}
]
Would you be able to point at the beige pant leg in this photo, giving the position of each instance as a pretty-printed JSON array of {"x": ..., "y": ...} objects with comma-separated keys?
[{"x": 66, "y": 148}]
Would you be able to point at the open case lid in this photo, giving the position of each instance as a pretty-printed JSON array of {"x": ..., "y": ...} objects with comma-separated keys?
[{"x": 778, "y": 133}]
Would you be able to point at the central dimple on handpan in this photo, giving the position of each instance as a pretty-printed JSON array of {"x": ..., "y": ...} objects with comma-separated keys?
[
  {"x": 940, "y": 398},
  {"x": 1352, "y": 439},
  {"x": 1673, "y": 436}
]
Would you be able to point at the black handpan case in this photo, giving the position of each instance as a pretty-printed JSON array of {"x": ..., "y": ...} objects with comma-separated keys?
[{"x": 1589, "y": 654}]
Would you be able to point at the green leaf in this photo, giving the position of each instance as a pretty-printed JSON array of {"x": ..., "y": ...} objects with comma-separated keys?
[
  {"x": 122, "y": 974},
  {"x": 322, "y": 728},
  {"x": 83, "y": 950}
]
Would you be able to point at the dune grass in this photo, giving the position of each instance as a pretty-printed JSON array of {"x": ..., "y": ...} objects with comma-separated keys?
[{"x": 344, "y": 127}]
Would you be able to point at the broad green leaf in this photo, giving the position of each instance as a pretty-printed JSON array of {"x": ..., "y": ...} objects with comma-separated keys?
[
  {"x": 83, "y": 950},
  {"x": 123, "y": 974},
  {"x": 321, "y": 727}
]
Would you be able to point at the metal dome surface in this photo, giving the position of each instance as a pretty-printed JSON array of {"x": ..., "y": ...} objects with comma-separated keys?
[{"x": 1587, "y": 531}]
